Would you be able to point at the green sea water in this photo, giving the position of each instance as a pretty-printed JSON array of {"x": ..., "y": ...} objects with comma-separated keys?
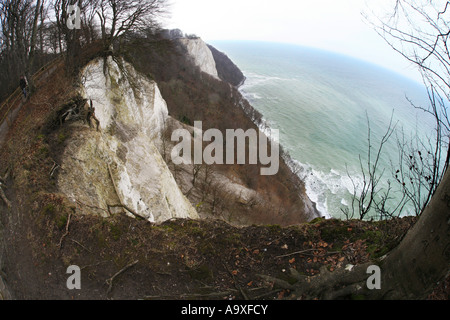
[{"x": 320, "y": 103}]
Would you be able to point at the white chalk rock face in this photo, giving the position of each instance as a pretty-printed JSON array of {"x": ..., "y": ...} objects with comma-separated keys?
[
  {"x": 121, "y": 163},
  {"x": 202, "y": 55}
]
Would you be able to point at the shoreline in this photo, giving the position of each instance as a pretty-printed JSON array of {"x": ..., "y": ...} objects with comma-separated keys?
[{"x": 292, "y": 164}]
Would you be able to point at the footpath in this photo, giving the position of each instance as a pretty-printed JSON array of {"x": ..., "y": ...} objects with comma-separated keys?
[{"x": 9, "y": 109}]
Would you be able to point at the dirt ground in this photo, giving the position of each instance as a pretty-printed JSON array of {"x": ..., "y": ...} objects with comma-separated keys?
[{"x": 123, "y": 258}]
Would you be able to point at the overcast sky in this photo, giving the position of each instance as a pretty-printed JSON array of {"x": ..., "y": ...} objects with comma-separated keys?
[{"x": 334, "y": 25}]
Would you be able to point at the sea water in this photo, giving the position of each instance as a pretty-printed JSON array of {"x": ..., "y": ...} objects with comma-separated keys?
[{"x": 323, "y": 104}]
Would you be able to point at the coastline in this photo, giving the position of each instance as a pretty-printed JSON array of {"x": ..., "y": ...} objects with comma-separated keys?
[
  {"x": 295, "y": 168},
  {"x": 320, "y": 157}
]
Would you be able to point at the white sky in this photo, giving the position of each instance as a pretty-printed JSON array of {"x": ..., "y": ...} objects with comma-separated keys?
[{"x": 334, "y": 25}]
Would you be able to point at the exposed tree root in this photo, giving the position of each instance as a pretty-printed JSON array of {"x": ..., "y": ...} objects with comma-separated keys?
[
  {"x": 340, "y": 284},
  {"x": 193, "y": 296}
]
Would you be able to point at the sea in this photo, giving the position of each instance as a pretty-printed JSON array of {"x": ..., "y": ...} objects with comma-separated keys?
[{"x": 323, "y": 105}]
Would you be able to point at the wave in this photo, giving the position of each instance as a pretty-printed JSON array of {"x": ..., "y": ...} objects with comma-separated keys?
[
  {"x": 252, "y": 96},
  {"x": 323, "y": 186},
  {"x": 256, "y": 79},
  {"x": 318, "y": 183}
]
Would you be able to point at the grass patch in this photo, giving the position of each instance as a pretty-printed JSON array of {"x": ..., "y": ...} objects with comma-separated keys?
[
  {"x": 62, "y": 137},
  {"x": 116, "y": 232},
  {"x": 201, "y": 273}
]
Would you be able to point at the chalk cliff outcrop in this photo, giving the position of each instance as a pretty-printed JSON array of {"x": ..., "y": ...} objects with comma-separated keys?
[
  {"x": 121, "y": 164},
  {"x": 201, "y": 55}
]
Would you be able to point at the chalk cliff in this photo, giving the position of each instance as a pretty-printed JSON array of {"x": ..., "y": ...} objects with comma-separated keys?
[
  {"x": 201, "y": 55},
  {"x": 121, "y": 164}
]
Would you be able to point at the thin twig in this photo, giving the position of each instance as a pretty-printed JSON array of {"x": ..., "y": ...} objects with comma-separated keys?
[
  {"x": 3, "y": 196},
  {"x": 126, "y": 208},
  {"x": 304, "y": 252},
  {"x": 91, "y": 206},
  {"x": 54, "y": 168},
  {"x": 5, "y": 177},
  {"x": 118, "y": 196},
  {"x": 94, "y": 264},
  {"x": 110, "y": 280},
  {"x": 297, "y": 252},
  {"x": 67, "y": 230},
  {"x": 81, "y": 245}
]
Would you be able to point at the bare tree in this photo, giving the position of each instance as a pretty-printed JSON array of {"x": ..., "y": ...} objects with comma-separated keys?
[
  {"x": 119, "y": 18},
  {"x": 88, "y": 24},
  {"x": 70, "y": 39},
  {"x": 425, "y": 45},
  {"x": 32, "y": 52},
  {"x": 422, "y": 162},
  {"x": 16, "y": 24},
  {"x": 24, "y": 44},
  {"x": 366, "y": 197}
]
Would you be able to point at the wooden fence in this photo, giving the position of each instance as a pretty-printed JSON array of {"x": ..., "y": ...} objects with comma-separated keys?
[{"x": 11, "y": 101}]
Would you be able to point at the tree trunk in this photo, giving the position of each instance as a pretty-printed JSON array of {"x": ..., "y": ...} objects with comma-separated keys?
[
  {"x": 422, "y": 259},
  {"x": 30, "y": 62}
]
